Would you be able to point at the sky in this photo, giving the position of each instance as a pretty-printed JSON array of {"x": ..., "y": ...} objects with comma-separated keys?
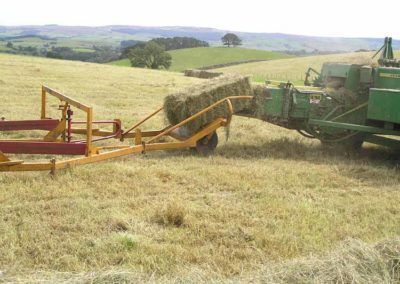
[{"x": 342, "y": 18}]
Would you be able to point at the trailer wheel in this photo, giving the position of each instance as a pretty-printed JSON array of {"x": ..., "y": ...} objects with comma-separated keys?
[{"x": 207, "y": 144}]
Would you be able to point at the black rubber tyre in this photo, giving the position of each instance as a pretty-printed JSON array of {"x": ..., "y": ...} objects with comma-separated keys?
[{"x": 206, "y": 146}]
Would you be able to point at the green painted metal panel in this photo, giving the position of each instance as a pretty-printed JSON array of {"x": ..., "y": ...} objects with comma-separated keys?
[
  {"x": 273, "y": 106},
  {"x": 351, "y": 126},
  {"x": 366, "y": 74},
  {"x": 387, "y": 78},
  {"x": 301, "y": 105},
  {"x": 384, "y": 105},
  {"x": 353, "y": 78},
  {"x": 350, "y": 73},
  {"x": 335, "y": 70}
]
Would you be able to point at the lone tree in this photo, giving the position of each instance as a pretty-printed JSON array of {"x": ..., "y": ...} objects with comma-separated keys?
[
  {"x": 9, "y": 44},
  {"x": 231, "y": 39},
  {"x": 150, "y": 55}
]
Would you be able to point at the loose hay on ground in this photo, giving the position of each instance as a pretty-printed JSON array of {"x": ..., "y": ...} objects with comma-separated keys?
[
  {"x": 353, "y": 262},
  {"x": 172, "y": 215},
  {"x": 182, "y": 105}
]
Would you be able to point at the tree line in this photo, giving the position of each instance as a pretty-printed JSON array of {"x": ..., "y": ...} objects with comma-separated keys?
[
  {"x": 100, "y": 54},
  {"x": 96, "y": 53},
  {"x": 152, "y": 54},
  {"x": 165, "y": 43}
]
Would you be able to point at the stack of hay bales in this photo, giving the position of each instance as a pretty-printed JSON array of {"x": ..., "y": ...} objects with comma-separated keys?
[
  {"x": 202, "y": 74},
  {"x": 184, "y": 104}
]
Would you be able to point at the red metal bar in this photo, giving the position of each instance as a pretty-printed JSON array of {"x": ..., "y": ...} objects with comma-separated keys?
[
  {"x": 42, "y": 124},
  {"x": 56, "y": 148},
  {"x": 98, "y": 122}
]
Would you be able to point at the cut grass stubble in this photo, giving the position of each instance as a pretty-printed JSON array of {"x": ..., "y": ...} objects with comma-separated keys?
[{"x": 266, "y": 196}]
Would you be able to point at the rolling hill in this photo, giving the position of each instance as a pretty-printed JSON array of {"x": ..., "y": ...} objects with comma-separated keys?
[
  {"x": 191, "y": 58},
  {"x": 112, "y": 35},
  {"x": 266, "y": 197}
]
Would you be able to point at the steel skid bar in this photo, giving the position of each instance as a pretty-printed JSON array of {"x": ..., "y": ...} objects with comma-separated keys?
[{"x": 52, "y": 144}]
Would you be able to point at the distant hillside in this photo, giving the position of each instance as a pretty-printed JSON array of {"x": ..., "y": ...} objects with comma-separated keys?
[
  {"x": 205, "y": 56},
  {"x": 112, "y": 35}
]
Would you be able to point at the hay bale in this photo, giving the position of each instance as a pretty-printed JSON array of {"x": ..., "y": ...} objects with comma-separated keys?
[
  {"x": 261, "y": 96},
  {"x": 202, "y": 74},
  {"x": 178, "y": 107}
]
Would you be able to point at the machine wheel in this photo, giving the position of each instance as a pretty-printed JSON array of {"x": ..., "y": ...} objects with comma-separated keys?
[{"x": 207, "y": 144}]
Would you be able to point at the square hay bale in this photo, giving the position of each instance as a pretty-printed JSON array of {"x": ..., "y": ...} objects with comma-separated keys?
[
  {"x": 261, "y": 97},
  {"x": 202, "y": 74},
  {"x": 186, "y": 103}
]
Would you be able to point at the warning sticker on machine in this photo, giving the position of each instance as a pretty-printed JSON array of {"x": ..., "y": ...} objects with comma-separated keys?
[
  {"x": 315, "y": 98},
  {"x": 390, "y": 75}
]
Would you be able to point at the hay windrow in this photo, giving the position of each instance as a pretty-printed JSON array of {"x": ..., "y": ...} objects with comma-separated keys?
[
  {"x": 352, "y": 262},
  {"x": 202, "y": 74},
  {"x": 182, "y": 105}
]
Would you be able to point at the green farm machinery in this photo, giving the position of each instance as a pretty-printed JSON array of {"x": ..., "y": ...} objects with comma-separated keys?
[{"x": 343, "y": 105}]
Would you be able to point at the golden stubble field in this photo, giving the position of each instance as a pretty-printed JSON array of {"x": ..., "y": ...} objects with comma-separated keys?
[{"x": 266, "y": 196}]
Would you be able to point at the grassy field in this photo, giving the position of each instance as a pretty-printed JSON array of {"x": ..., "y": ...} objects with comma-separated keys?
[
  {"x": 206, "y": 56},
  {"x": 294, "y": 69},
  {"x": 121, "y": 62},
  {"x": 83, "y": 50},
  {"x": 83, "y": 41},
  {"x": 27, "y": 41},
  {"x": 81, "y": 44},
  {"x": 266, "y": 197}
]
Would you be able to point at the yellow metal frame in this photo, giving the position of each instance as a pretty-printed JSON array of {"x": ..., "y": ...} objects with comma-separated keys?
[
  {"x": 67, "y": 101},
  {"x": 101, "y": 153}
]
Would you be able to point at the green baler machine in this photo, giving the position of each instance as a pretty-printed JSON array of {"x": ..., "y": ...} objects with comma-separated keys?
[{"x": 343, "y": 105}]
